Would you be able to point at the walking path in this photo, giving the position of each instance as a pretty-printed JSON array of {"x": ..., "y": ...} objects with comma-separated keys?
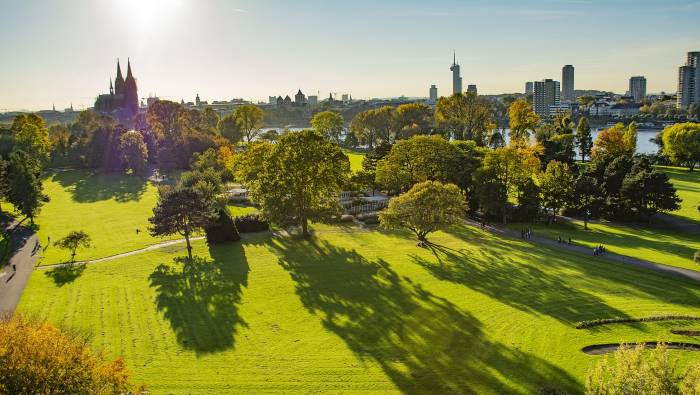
[
  {"x": 686, "y": 273},
  {"x": 25, "y": 247},
  {"x": 122, "y": 255}
]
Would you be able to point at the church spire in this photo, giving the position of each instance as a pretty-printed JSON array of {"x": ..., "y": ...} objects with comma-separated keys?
[
  {"x": 111, "y": 88},
  {"x": 128, "y": 69},
  {"x": 119, "y": 81}
]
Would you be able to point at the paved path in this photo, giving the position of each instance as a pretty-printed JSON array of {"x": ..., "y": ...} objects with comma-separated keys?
[
  {"x": 24, "y": 256},
  {"x": 122, "y": 255},
  {"x": 686, "y": 273}
]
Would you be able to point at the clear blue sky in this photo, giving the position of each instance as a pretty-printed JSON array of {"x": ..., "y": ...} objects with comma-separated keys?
[{"x": 65, "y": 51}]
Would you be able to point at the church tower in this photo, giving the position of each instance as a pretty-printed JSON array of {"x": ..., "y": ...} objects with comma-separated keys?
[
  {"x": 131, "y": 97},
  {"x": 119, "y": 81}
]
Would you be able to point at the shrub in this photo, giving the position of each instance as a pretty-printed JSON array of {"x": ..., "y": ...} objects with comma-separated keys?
[
  {"x": 38, "y": 358},
  {"x": 369, "y": 218},
  {"x": 223, "y": 230},
  {"x": 251, "y": 223},
  {"x": 346, "y": 218},
  {"x": 615, "y": 320}
]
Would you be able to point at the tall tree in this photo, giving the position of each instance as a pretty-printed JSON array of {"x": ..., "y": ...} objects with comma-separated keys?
[
  {"x": 522, "y": 120},
  {"x": 250, "y": 119},
  {"x": 427, "y": 207},
  {"x": 373, "y": 126},
  {"x": 681, "y": 143},
  {"x": 465, "y": 117},
  {"x": 298, "y": 179},
  {"x": 210, "y": 120},
  {"x": 587, "y": 197},
  {"x": 648, "y": 192},
  {"x": 616, "y": 140},
  {"x": 31, "y": 135},
  {"x": 584, "y": 140},
  {"x": 557, "y": 186},
  {"x": 24, "y": 188},
  {"x": 329, "y": 124},
  {"x": 134, "y": 151},
  {"x": 229, "y": 128},
  {"x": 181, "y": 211},
  {"x": 412, "y": 118}
]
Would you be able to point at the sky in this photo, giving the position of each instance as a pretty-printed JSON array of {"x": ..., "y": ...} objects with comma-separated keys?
[{"x": 65, "y": 51}]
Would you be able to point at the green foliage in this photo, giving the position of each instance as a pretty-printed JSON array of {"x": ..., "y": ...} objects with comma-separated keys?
[
  {"x": 250, "y": 119},
  {"x": 373, "y": 126},
  {"x": 296, "y": 180},
  {"x": 681, "y": 143},
  {"x": 648, "y": 192},
  {"x": 329, "y": 124},
  {"x": 228, "y": 127},
  {"x": 465, "y": 117},
  {"x": 223, "y": 229},
  {"x": 617, "y": 140},
  {"x": 522, "y": 119},
  {"x": 74, "y": 240},
  {"x": 411, "y": 119},
  {"x": 134, "y": 151},
  {"x": 31, "y": 135},
  {"x": 210, "y": 120},
  {"x": 584, "y": 139},
  {"x": 426, "y": 207},
  {"x": 220, "y": 161},
  {"x": 557, "y": 185},
  {"x": 181, "y": 211},
  {"x": 587, "y": 197},
  {"x": 24, "y": 188}
]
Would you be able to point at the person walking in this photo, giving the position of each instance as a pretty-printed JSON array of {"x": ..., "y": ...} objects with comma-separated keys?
[{"x": 14, "y": 267}]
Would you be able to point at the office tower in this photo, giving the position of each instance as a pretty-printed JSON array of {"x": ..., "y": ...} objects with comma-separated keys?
[
  {"x": 545, "y": 93},
  {"x": 567, "y": 83},
  {"x": 471, "y": 88},
  {"x": 529, "y": 87},
  {"x": 433, "y": 94},
  {"x": 456, "y": 78},
  {"x": 638, "y": 88},
  {"x": 689, "y": 81}
]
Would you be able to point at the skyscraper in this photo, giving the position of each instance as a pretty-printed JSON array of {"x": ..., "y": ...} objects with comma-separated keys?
[
  {"x": 638, "y": 88},
  {"x": 471, "y": 88},
  {"x": 689, "y": 81},
  {"x": 433, "y": 94},
  {"x": 567, "y": 83},
  {"x": 529, "y": 87},
  {"x": 546, "y": 93},
  {"x": 456, "y": 77}
]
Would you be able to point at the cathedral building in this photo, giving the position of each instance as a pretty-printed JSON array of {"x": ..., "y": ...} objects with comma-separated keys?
[{"x": 122, "y": 101}]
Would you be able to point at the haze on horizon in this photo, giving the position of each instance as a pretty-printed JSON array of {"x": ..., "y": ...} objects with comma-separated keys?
[{"x": 65, "y": 52}]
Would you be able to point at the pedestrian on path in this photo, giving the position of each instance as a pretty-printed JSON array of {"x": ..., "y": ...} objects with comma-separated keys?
[{"x": 14, "y": 267}]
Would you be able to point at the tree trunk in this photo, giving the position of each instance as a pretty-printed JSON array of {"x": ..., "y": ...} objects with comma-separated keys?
[
  {"x": 189, "y": 247},
  {"x": 304, "y": 226},
  {"x": 585, "y": 220}
]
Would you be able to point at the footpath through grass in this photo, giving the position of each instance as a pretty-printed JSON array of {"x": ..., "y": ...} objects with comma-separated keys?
[
  {"x": 356, "y": 311},
  {"x": 655, "y": 244},
  {"x": 109, "y": 207}
]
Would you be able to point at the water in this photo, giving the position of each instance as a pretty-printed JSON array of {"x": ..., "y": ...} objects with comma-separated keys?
[{"x": 644, "y": 146}]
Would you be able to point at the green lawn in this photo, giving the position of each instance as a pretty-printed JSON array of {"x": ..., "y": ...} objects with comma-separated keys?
[
  {"x": 653, "y": 244},
  {"x": 355, "y": 160},
  {"x": 240, "y": 209},
  {"x": 108, "y": 207},
  {"x": 359, "y": 311},
  {"x": 688, "y": 185}
]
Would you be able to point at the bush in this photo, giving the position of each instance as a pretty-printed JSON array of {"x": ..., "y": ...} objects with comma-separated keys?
[
  {"x": 251, "y": 223},
  {"x": 615, "y": 320},
  {"x": 223, "y": 230},
  {"x": 38, "y": 358},
  {"x": 369, "y": 218}
]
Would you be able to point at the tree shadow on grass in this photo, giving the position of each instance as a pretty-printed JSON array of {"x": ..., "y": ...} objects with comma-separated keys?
[
  {"x": 423, "y": 342},
  {"x": 89, "y": 187},
  {"x": 63, "y": 275},
  {"x": 200, "y": 298}
]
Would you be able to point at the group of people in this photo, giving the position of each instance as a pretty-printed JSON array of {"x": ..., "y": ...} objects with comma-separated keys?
[
  {"x": 599, "y": 250},
  {"x": 526, "y": 233}
]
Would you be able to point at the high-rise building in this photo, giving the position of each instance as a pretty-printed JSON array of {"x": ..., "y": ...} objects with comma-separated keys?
[
  {"x": 529, "y": 87},
  {"x": 433, "y": 94},
  {"x": 638, "y": 88},
  {"x": 471, "y": 88},
  {"x": 689, "y": 81},
  {"x": 567, "y": 83},
  {"x": 545, "y": 93},
  {"x": 456, "y": 77}
]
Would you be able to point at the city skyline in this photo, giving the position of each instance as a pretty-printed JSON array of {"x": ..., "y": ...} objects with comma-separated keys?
[{"x": 226, "y": 49}]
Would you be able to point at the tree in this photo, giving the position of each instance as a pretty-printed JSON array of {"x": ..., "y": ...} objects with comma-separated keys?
[
  {"x": 465, "y": 117},
  {"x": 250, "y": 119},
  {"x": 181, "y": 211},
  {"x": 584, "y": 141},
  {"x": 38, "y": 358},
  {"x": 636, "y": 371},
  {"x": 617, "y": 140},
  {"x": 681, "y": 143},
  {"x": 373, "y": 126},
  {"x": 228, "y": 127},
  {"x": 521, "y": 119},
  {"x": 510, "y": 167},
  {"x": 557, "y": 184},
  {"x": 296, "y": 180},
  {"x": 412, "y": 118},
  {"x": 24, "y": 187},
  {"x": 31, "y": 135},
  {"x": 134, "y": 151},
  {"x": 219, "y": 160},
  {"x": 587, "y": 197},
  {"x": 74, "y": 240},
  {"x": 425, "y": 208},
  {"x": 329, "y": 124},
  {"x": 210, "y": 120},
  {"x": 648, "y": 192}
]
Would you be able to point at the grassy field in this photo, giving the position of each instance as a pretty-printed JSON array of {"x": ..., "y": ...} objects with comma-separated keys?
[
  {"x": 110, "y": 208},
  {"x": 653, "y": 244},
  {"x": 356, "y": 310},
  {"x": 355, "y": 160},
  {"x": 688, "y": 185}
]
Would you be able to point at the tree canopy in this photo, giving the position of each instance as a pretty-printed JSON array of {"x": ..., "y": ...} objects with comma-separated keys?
[
  {"x": 329, "y": 124},
  {"x": 681, "y": 143}
]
